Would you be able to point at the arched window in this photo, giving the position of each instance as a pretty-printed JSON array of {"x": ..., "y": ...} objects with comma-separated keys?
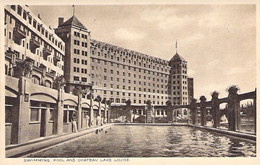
[
  {"x": 36, "y": 79},
  {"x": 47, "y": 83}
]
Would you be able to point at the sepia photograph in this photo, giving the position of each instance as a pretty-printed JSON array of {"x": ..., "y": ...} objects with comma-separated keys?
[{"x": 110, "y": 83}]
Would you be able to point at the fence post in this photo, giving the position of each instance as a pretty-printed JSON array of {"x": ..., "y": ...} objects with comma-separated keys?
[
  {"x": 215, "y": 109},
  {"x": 203, "y": 110},
  {"x": 233, "y": 109},
  {"x": 194, "y": 111}
]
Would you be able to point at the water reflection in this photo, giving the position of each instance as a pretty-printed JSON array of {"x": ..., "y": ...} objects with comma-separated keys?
[{"x": 153, "y": 141}]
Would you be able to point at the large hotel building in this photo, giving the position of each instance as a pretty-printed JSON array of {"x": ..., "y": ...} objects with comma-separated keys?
[
  {"x": 39, "y": 102},
  {"x": 119, "y": 74}
]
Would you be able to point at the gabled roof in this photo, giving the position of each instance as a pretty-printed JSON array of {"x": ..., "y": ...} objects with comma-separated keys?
[
  {"x": 73, "y": 21},
  {"x": 177, "y": 57}
]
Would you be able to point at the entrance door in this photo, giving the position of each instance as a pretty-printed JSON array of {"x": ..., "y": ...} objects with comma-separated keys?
[{"x": 43, "y": 124}]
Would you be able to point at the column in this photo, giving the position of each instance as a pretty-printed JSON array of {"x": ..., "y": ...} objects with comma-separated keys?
[
  {"x": 215, "y": 109},
  {"x": 59, "y": 83},
  {"x": 169, "y": 111},
  {"x": 148, "y": 111},
  {"x": 203, "y": 110},
  {"x": 91, "y": 115},
  {"x": 194, "y": 111},
  {"x": 109, "y": 111},
  {"x": 105, "y": 113},
  {"x": 128, "y": 111},
  {"x": 79, "y": 110},
  {"x": 59, "y": 113},
  {"x": 47, "y": 118},
  {"x": 233, "y": 109},
  {"x": 21, "y": 126}
]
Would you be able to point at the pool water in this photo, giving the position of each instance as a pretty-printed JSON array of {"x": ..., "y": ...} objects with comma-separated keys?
[{"x": 153, "y": 141}]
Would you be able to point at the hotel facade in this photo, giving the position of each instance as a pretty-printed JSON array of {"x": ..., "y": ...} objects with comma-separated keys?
[
  {"x": 51, "y": 74},
  {"x": 119, "y": 74}
]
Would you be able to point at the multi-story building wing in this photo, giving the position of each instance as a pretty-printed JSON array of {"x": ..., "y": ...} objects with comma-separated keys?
[
  {"x": 28, "y": 38},
  {"x": 117, "y": 73},
  {"x": 120, "y": 74},
  {"x": 77, "y": 59},
  {"x": 34, "y": 58},
  {"x": 178, "y": 81}
]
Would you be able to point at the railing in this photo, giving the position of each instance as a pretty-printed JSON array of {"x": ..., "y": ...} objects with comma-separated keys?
[
  {"x": 46, "y": 51},
  {"x": 232, "y": 112},
  {"x": 34, "y": 43},
  {"x": 201, "y": 113},
  {"x": 19, "y": 33}
]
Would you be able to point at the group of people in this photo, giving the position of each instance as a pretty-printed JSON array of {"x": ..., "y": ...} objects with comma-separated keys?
[{"x": 99, "y": 121}]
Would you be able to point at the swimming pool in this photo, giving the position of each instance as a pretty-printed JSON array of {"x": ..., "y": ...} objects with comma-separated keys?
[{"x": 153, "y": 141}]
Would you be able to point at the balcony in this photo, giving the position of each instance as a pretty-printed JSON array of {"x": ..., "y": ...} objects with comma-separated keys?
[
  {"x": 46, "y": 52},
  {"x": 18, "y": 33},
  {"x": 57, "y": 58},
  {"x": 34, "y": 43}
]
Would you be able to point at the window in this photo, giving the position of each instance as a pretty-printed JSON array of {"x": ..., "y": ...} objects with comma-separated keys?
[
  {"x": 30, "y": 19},
  {"x": 76, "y": 78},
  {"x": 19, "y": 11},
  {"x": 34, "y": 116},
  {"x": 84, "y": 79},
  {"x": 24, "y": 15},
  {"x": 13, "y": 7}
]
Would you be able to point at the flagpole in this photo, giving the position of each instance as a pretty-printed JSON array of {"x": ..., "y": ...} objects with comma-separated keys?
[
  {"x": 176, "y": 47},
  {"x": 73, "y": 9}
]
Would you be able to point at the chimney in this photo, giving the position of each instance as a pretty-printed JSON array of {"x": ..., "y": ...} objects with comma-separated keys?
[
  {"x": 39, "y": 16},
  {"x": 61, "y": 19}
]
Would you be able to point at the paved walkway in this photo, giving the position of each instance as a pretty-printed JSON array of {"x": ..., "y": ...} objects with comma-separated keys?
[{"x": 39, "y": 144}]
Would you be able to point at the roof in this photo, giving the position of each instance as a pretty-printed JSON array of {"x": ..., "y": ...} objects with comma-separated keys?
[
  {"x": 177, "y": 57},
  {"x": 73, "y": 21}
]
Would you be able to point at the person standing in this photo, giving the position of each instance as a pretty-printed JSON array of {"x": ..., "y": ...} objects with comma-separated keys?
[{"x": 74, "y": 123}]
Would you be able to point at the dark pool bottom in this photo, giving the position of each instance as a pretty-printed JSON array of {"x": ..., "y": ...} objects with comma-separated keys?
[{"x": 153, "y": 141}]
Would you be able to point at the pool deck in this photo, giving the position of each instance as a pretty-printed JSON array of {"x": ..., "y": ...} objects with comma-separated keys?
[
  {"x": 38, "y": 144},
  {"x": 22, "y": 150},
  {"x": 244, "y": 135}
]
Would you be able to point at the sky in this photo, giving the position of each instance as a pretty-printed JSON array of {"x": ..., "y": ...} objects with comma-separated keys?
[{"x": 217, "y": 41}]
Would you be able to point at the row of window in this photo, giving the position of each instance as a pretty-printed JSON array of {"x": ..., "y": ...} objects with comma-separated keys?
[
  {"x": 178, "y": 76},
  {"x": 83, "y": 79},
  {"x": 178, "y": 65},
  {"x": 129, "y": 81},
  {"x": 134, "y": 62},
  {"x": 38, "y": 25},
  {"x": 129, "y": 68},
  {"x": 83, "y": 52},
  {"x": 129, "y": 87},
  {"x": 178, "y": 87},
  {"x": 177, "y": 93},
  {"x": 83, "y": 44},
  {"x": 77, "y": 61},
  {"x": 131, "y": 55},
  {"x": 139, "y": 89},
  {"x": 117, "y": 100},
  {"x": 77, "y": 34},
  {"x": 76, "y": 69}
]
